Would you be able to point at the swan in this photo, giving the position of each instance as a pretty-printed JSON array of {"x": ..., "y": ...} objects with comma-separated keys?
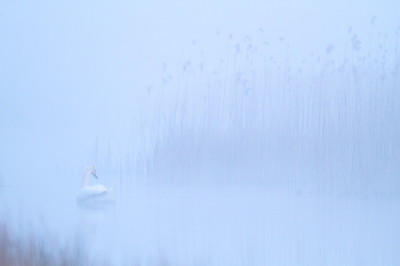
[{"x": 96, "y": 194}]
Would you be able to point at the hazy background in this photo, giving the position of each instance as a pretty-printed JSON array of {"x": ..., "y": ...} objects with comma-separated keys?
[
  {"x": 240, "y": 133},
  {"x": 75, "y": 71}
]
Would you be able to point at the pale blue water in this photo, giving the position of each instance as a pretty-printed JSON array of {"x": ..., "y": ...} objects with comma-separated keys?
[{"x": 152, "y": 225}]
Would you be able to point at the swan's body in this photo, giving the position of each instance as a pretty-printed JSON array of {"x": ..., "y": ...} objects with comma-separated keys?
[{"x": 96, "y": 194}]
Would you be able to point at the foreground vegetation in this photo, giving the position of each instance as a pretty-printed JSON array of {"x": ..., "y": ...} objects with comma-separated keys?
[{"x": 31, "y": 249}]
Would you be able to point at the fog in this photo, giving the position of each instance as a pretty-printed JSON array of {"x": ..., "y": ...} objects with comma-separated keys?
[{"x": 239, "y": 133}]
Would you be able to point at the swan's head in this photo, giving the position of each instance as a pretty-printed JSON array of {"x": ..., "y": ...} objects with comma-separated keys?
[{"x": 90, "y": 169}]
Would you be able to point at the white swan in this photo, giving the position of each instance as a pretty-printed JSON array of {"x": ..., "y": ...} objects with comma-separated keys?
[{"x": 96, "y": 194}]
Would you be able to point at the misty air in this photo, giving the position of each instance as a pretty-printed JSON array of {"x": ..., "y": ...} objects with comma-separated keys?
[{"x": 200, "y": 133}]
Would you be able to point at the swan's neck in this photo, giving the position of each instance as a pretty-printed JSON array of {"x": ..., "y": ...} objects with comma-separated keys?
[{"x": 85, "y": 180}]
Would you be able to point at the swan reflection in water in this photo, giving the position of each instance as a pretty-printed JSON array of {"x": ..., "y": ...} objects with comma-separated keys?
[{"x": 97, "y": 207}]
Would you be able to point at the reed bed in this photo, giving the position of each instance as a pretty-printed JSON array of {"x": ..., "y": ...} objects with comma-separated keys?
[{"x": 256, "y": 117}]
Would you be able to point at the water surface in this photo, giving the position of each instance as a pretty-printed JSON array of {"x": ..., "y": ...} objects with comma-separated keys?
[{"x": 205, "y": 225}]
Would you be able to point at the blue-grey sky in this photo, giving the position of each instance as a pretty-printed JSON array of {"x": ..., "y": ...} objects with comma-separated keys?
[{"x": 70, "y": 70}]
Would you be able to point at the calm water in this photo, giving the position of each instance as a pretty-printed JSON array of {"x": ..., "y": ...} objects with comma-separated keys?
[{"x": 211, "y": 225}]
